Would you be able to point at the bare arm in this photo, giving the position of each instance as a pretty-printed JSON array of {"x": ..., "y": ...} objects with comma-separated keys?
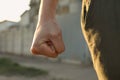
[
  {"x": 48, "y": 37},
  {"x": 47, "y": 10}
]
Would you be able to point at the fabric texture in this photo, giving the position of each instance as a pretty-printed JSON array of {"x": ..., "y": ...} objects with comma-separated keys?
[{"x": 100, "y": 22}]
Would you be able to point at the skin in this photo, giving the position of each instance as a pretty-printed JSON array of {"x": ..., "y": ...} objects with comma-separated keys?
[{"x": 47, "y": 39}]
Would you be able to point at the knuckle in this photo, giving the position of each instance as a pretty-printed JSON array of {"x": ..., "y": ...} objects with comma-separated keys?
[
  {"x": 34, "y": 50},
  {"x": 62, "y": 49}
]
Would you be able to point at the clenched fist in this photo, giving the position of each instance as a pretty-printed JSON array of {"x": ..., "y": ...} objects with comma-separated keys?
[{"x": 48, "y": 40}]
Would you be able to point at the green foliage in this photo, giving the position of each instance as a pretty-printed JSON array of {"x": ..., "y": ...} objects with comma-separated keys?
[{"x": 10, "y": 68}]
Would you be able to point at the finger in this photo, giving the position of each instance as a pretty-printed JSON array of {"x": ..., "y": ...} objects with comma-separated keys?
[
  {"x": 50, "y": 44},
  {"x": 58, "y": 44},
  {"x": 47, "y": 50},
  {"x": 44, "y": 49}
]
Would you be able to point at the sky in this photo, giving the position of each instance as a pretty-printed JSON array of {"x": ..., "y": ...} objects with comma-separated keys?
[{"x": 12, "y": 9}]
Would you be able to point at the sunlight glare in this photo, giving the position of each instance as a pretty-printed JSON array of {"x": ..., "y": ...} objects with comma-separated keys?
[{"x": 12, "y": 9}]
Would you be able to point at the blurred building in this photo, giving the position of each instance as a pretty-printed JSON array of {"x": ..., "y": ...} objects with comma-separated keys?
[
  {"x": 17, "y": 38},
  {"x": 69, "y": 6},
  {"x": 5, "y": 25}
]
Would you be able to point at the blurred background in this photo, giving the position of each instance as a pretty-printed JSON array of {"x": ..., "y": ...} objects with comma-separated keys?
[{"x": 18, "y": 21}]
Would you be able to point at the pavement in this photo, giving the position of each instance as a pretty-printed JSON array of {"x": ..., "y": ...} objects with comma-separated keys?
[{"x": 66, "y": 71}]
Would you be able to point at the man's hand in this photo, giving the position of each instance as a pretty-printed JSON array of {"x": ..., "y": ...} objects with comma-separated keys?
[
  {"x": 48, "y": 37},
  {"x": 48, "y": 40}
]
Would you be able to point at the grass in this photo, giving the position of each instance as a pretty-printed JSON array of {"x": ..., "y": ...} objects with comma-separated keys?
[{"x": 10, "y": 68}]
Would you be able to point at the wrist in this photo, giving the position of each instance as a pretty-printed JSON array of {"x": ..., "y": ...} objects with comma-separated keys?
[
  {"x": 46, "y": 18},
  {"x": 42, "y": 23}
]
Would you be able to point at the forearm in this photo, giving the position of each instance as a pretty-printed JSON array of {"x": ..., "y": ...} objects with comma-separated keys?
[{"x": 47, "y": 10}]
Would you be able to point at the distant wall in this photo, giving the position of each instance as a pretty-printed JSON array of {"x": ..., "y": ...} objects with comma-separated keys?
[{"x": 16, "y": 40}]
